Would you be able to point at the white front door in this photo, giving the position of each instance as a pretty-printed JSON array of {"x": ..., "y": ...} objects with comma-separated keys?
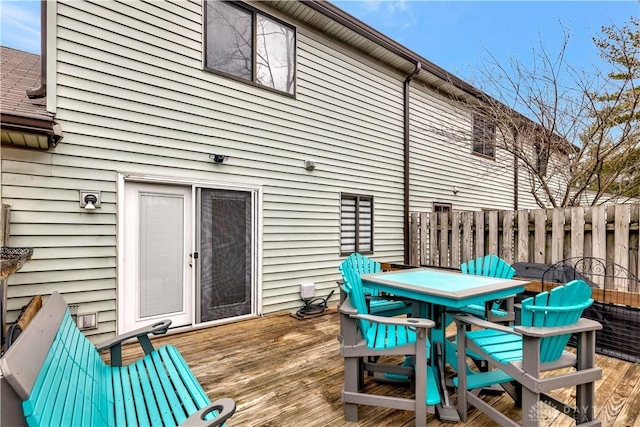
[{"x": 157, "y": 248}]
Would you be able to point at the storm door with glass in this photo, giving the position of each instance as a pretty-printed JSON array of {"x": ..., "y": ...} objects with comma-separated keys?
[{"x": 226, "y": 259}]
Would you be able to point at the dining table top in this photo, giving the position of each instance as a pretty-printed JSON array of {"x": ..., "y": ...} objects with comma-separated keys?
[{"x": 444, "y": 287}]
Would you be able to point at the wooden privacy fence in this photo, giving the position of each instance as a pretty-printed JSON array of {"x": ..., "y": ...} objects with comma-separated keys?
[{"x": 543, "y": 236}]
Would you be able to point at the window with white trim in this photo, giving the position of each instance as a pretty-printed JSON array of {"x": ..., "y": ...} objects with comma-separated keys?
[
  {"x": 356, "y": 224},
  {"x": 246, "y": 44}
]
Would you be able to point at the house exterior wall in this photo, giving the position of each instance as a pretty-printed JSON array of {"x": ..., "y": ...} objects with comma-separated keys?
[
  {"x": 442, "y": 159},
  {"x": 132, "y": 98}
]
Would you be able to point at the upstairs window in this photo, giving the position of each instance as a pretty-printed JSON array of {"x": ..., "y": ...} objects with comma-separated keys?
[
  {"x": 356, "y": 224},
  {"x": 484, "y": 136},
  {"x": 248, "y": 45}
]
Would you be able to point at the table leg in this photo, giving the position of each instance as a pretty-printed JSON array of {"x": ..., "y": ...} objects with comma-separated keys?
[{"x": 447, "y": 412}]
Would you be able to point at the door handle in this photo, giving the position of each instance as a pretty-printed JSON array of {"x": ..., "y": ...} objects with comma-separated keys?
[{"x": 192, "y": 256}]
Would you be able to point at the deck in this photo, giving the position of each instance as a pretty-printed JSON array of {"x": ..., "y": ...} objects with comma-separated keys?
[{"x": 287, "y": 372}]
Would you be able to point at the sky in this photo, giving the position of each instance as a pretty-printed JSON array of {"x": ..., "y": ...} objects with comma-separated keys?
[{"x": 455, "y": 35}]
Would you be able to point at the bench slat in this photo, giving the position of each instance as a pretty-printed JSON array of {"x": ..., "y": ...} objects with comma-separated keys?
[
  {"x": 118, "y": 398},
  {"x": 57, "y": 360},
  {"x": 188, "y": 404},
  {"x": 138, "y": 396},
  {"x": 172, "y": 399},
  {"x": 88, "y": 383},
  {"x": 150, "y": 399},
  {"x": 194, "y": 388},
  {"x": 109, "y": 401},
  {"x": 158, "y": 391},
  {"x": 65, "y": 401}
]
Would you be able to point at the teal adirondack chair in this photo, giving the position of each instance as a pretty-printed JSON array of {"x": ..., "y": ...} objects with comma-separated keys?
[
  {"x": 521, "y": 353},
  {"x": 490, "y": 266},
  {"x": 363, "y": 335},
  {"x": 378, "y": 305}
]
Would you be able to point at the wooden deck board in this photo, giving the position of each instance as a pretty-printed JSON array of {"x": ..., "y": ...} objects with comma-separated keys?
[{"x": 287, "y": 372}]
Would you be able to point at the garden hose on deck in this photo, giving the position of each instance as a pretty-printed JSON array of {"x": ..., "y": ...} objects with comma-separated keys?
[{"x": 313, "y": 307}]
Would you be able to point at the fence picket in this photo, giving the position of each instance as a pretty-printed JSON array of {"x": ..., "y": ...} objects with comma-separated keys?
[
  {"x": 479, "y": 234},
  {"x": 523, "y": 236},
  {"x": 507, "y": 237},
  {"x": 577, "y": 232}
]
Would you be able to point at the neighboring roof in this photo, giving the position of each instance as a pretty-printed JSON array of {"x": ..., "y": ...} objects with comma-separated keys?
[
  {"x": 20, "y": 72},
  {"x": 25, "y": 122}
]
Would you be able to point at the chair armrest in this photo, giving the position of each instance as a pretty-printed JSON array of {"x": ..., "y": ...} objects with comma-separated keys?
[
  {"x": 347, "y": 308},
  {"x": 582, "y": 325},
  {"x": 225, "y": 406},
  {"x": 142, "y": 334},
  {"x": 398, "y": 321},
  {"x": 472, "y": 320}
]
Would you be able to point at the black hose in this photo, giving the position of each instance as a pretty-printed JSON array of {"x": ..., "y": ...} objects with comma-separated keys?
[{"x": 314, "y": 306}]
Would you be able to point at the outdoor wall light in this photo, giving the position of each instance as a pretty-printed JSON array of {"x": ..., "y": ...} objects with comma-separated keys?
[
  {"x": 309, "y": 165},
  {"x": 218, "y": 158},
  {"x": 455, "y": 190},
  {"x": 89, "y": 200}
]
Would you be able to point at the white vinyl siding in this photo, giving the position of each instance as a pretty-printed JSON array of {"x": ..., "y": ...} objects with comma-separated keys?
[
  {"x": 132, "y": 97},
  {"x": 441, "y": 159},
  {"x": 74, "y": 252}
]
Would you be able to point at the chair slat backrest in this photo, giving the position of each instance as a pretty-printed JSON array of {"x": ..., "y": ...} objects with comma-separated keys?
[
  {"x": 353, "y": 282},
  {"x": 490, "y": 266},
  {"x": 362, "y": 265},
  {"x": 562, "y": 306}
]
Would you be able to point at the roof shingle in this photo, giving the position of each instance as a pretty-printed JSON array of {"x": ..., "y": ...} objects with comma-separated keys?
[{"x": 20, "y": 71}]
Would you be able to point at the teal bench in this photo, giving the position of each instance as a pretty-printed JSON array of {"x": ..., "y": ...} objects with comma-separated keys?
[{"x": 59, "y": 378}]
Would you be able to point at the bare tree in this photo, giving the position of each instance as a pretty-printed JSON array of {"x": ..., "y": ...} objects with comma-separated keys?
[{"x": 575, "y": 133}]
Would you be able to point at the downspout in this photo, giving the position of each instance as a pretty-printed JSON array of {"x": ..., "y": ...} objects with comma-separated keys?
[
  {"x": 41, "y": 91},
  {"x": 515, "y": 170},
  {"x": 407, "y": 158}
]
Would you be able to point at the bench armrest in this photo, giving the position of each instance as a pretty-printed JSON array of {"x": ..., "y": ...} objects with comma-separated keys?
[
  {"x": 226, "y": 407},
  {"x": 142, "y": 334}
]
